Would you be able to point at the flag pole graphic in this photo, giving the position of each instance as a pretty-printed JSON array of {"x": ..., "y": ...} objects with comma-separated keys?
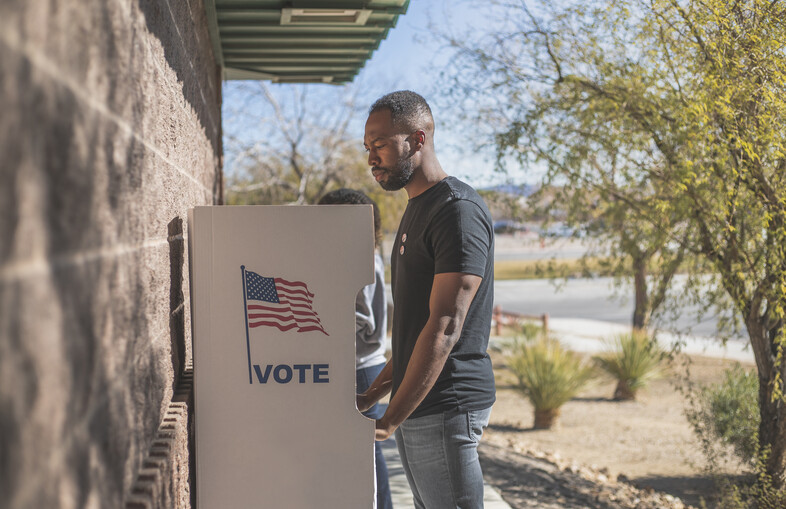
[{"x": 245, "y": 313}]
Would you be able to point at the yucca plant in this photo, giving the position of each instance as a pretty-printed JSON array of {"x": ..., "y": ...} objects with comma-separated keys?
[
  {"x": 549, "y": 376},
  {"x": 635, "y": 361},
  {"x": 531, "y": 331}
]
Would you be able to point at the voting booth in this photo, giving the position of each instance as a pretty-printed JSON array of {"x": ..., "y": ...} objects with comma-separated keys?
[{"x": 273, "y": 315}]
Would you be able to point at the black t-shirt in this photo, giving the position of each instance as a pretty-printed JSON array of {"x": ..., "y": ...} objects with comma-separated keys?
[{"x": 447, "y": 228}]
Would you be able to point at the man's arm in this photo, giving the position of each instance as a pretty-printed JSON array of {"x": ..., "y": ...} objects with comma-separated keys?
[
  {"x": 378, "y": 388},
  {"x": 451, "y": 295}
]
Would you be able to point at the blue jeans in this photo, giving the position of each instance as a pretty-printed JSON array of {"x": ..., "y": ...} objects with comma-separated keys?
[
  {"x": 440, "y": 458},
  {"x": 364, "y": 377}
]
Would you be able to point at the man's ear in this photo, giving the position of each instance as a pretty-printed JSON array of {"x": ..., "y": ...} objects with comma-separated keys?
[{"x": 418, "y": 139}]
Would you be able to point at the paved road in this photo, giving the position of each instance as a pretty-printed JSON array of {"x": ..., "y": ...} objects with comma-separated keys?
[{"x": 593, "y": 299}]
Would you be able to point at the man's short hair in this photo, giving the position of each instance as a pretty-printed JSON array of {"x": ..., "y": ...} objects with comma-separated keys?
[
  {"x": 345, "y": 196},
  {"x": 408, "y": 110}
]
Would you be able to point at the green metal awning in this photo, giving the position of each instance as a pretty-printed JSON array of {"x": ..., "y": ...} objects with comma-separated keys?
[{"x": 298, "y": 41}]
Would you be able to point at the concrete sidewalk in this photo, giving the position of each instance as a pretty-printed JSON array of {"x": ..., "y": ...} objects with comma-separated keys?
[
  {"x": 399, "y": 487},
  {"x": 591, "y": 336}
]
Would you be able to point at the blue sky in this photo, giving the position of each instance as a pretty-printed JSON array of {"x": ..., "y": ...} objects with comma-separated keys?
[
  {"x": 410, "y": 58},
  {"x": 403, "y": 59}
]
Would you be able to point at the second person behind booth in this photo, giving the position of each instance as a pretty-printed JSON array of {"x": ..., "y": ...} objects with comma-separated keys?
[{"x": 370, "y": 331}]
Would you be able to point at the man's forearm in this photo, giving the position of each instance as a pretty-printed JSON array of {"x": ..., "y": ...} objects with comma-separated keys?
[
  {"x": 431, "y": 351},
  {"x": 451, "y": 296}
]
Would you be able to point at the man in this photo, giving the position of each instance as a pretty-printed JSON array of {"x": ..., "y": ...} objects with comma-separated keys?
[{"x": 442, "y": 269}]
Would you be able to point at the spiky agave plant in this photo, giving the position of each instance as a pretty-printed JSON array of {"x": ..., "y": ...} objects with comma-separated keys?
[
  {"x": 549, "y": 376},
  {"x": 636, "y": 360}
]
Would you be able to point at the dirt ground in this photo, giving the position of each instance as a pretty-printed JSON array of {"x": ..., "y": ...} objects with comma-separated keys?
[{"x": 647, "y": 441}]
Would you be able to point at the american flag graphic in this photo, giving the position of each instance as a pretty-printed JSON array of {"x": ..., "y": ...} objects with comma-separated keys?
[{"x": 276, "y": 302}]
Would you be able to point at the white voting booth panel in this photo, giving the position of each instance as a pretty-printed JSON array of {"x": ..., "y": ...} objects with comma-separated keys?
[{"x": 273, "y": 302}]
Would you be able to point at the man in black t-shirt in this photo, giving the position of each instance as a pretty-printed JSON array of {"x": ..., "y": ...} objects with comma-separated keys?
[{"x": 442, "y": 268}]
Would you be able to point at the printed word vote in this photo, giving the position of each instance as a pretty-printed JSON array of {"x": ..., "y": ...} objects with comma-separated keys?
[{"x": 299, "y": 373}]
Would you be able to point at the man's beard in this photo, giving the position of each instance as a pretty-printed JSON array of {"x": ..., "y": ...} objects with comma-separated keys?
[{"x": 398, "y": 177}]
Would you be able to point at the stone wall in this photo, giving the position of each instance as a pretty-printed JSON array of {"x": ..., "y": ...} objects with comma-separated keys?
[{"x": 110, "y": 131}]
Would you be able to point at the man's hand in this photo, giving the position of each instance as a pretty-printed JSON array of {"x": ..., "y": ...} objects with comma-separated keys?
[
  {"x": 379, "y": 388},
  {"x": 384, "y": 430},
  {"x": 363, "y": 403}
]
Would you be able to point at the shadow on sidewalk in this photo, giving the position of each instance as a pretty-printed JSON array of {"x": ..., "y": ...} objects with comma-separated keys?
[
  {"x": 527, "y": 482},
  {"x": 691, "y": 489}
]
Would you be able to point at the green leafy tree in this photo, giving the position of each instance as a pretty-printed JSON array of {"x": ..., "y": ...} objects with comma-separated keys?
[
  {"x": 642, "y": 252},
  {"x": 596, "y": 164},
  {"x": 691, "y": 94}
]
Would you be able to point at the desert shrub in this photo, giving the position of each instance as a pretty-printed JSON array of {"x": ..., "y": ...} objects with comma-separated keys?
[
  {"x": 549, "y": 376},
  {"x": 521, "y": 331},
  {"x": 728, "y": 413},
  {"x": 757, "y": 493},
  {"x": 530, "y": 331},
  {"x": 635, "y": 360},
  {"x": 725, "y": 418}
]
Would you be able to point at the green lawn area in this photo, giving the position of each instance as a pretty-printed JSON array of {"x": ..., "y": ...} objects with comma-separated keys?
[{"x": 542, "y": 269}]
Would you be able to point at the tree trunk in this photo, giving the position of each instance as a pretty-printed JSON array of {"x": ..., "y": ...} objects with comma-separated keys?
[
  {"x": 623, "y": 392},
  {"x": 641, "y": 312},
  {"x": 772, "y": 429},
  {"x": 772, "y": 433},
  {"x": 546, "y": 419}
]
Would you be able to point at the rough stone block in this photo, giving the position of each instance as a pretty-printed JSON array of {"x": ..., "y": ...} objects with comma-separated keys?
[{"x": 110, "y": 132}]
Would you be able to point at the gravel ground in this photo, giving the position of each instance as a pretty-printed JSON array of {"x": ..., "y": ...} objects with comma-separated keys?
[
  {"x": 603, "y": 454},
  {"x": 529, "y": 481}
]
